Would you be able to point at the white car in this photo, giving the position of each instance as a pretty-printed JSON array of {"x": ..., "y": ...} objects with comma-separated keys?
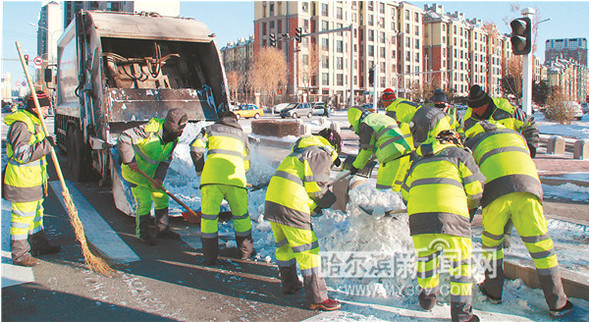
[
  {"x": 279, "y": 107},
  {"x": 576, "y": 108}
]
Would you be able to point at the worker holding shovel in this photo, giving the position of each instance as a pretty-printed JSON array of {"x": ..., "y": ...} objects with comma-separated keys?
[
  {"x": 223, "y": 177},
  {"x": 149, "y": 148}
]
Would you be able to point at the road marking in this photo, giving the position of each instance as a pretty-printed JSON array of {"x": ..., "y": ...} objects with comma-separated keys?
[
  {"x": 13, "y": 274},
  {"x": 98, "y": 232}
]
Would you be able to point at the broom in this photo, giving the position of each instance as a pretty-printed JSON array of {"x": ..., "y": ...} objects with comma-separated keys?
[{"x": 93, "y": 262}]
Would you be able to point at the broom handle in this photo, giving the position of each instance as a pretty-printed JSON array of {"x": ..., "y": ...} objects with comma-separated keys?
[
  {"x": 157, "y": 185},
  {"x": 34, "y": 96}
]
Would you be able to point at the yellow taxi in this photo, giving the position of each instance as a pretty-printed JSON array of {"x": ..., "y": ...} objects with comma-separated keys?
[{"x": 248, "y": 110}]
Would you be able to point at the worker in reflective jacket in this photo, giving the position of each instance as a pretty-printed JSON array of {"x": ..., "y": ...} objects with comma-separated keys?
[
  {"x": 25, "y": 181},
  {"x": 380, "y": 135},
  {"x": 150, "y": 147},
  {"x": 441, "y": 102},
  {"x": 300, "y": 186},
  {"x": 443, "y": 187},
  {"x": 223, "y": 177},
  {"x": 498, "y": 110},
  {"x": 513, "y": 191}
]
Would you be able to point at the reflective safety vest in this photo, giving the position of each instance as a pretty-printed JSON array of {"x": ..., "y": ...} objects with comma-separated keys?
[
  {"x": 402, "y": 110},
  {"x": 227, "y": 157},
  {"x": 149, "y": 151},
  {"x": 25, "y": 181},
  {"x": 503, "y": 156},
  {"x": 301, "y": 178},
  {"x": 504, "y": 114},
  {"x": 380, "y": 134},
  {"x": 442, "y": 185}
]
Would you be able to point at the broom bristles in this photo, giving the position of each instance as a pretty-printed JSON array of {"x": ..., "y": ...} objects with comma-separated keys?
[{"x": 93, "y": 262}]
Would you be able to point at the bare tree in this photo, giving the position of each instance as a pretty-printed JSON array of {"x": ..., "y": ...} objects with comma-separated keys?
[
  {"x": 268, "y": 73},
  {"x": 234, "y": 82},
  {"x": 513, "y": 76},
  {"x": 310, "y": 66}
]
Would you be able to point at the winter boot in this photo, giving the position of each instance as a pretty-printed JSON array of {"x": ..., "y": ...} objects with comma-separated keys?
[
  {"x": 162, "y": 224},
  {"x": 21, "y": 253},
  {"x": 210, "y": 249},
  {"x": 428, "y": 298},
  {"x": 327, "y": 305},
  {"x": 290, "y": 281},
  {"x": 565, "y": 310},
  {"x": 40, "y": 245},
  {"x": 492, "y": 299},
  {"x": 245, "y": 246},
  {"x": 144, "y": 231}
]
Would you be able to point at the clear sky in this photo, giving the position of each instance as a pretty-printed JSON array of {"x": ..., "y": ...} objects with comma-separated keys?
[{"x": 231, "y": 20}]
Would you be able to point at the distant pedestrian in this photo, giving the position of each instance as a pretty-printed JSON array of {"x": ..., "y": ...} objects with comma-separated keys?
[
  {"x": 25, "y": 181},
  {"x": 150, "y": 148},
  {"x": 299, "y": 187},
  {"x": 222, "y": 176},
  {"x": 513, "y": 192},
  {"x": 443, "y": 187}
]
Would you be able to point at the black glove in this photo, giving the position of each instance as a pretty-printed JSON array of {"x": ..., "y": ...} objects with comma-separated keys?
[
  {"x": 353, "y": 170},
  {"x": 472, "y": 213},
  {"x": 327, "y": 200},
  {"x": 50, "y": 140},
  {"x": 317, "y": 212},
  {"x": 532, "y": 150}
]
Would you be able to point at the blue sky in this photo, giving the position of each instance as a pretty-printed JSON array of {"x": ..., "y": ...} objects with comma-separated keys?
[{"x": 231, "y": 20}]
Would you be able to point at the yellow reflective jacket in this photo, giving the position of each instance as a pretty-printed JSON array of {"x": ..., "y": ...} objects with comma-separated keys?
[
  {"x": 26, "y": 172},
  {"x": 227, "y": 158},
  {"x": 144, "y": 144},
  {"x": 503, "y": 156},
  {"x": 301, "y": 183},
  {"x": 442, "y": 186}
]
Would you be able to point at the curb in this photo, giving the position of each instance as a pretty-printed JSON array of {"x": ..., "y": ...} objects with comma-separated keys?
[
  {"x": 575, "y": 285},
  {"x": 558, "y": 182}
]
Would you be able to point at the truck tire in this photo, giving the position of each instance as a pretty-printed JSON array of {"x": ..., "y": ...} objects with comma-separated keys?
[{"x": 78, "y": 161}]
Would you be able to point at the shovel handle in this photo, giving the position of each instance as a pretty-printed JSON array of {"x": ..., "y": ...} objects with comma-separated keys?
[{"x": 157, "y": 185}]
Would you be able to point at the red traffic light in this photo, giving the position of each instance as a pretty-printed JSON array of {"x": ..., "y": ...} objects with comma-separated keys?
[
  {"x": 298, "y": 34},
  {"x": 26, "y": 58},
  {"x": 521, "y": 36},
  {"x": 272, "y": 40}
]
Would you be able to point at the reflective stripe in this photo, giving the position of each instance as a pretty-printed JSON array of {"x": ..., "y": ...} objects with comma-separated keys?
[
  {"x": 425, "y": 181},
  {"x": 535, "y": 239},
  {"x": 501, "y": 150},
  {"x": 28, "y": 164},
  {"x": 366, "y": 146},
  {"x": 492, "y": 236},
  {"x": 310, "y": 271},
  {"x": 460, "y": 279},
  {"x": 475, "y": 177},
  {"x": 287, "y": 263},
  {"x": 288, "y": 176},
  {"x": 426, "y": 274},
  {"x": 35, "y": 230},
  {"x": 243, "y": 233},
  {"x": 281, "y": 243},
  {"x": 467, "y": 261},
  {"x": 389, "y": 141},
  {"x": 381, "y": 186},
  {"x": 20, "y": 224},
  {"x": 223, "y": 151},
  {"x": 209, "y": 217},
  {"x": 196, "y": 148},
  {"x": 439, "y": 223},
  {"x": 543, "y": 254},
  {"x": 305, "y": 247},
  {"x": 383, "y": 131},
  {"x": 428, "y": 258},
  {"x": 461, "y": 298},
  {"x": 143, "y": 156},
  {"x": 317, "y": 178},
  {"x": 19, "y": 237},
  {"x": 21, "y": 213},
  {"x": 547, "y": 271},
  {"x": 209, "y": 235},
  {"x": 22, "y": 194},
  {"x": 244, "y": 216},
  {"x": 492, "y": 248}
]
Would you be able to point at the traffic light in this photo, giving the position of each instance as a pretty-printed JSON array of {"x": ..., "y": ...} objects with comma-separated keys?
[
  {"x": 371, "y": 76},
  {"x": 26, "y": 59},
  {"x": 521, "y": 36},
  {"x": 299, "y": 34},
  {"x": 273, "y": 40}
]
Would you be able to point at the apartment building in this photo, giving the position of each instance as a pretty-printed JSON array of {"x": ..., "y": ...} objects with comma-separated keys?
[
  {"x": 570, "y": 48},
  {"x": 239, "y": 57},
  {"x": 49, "y": 30},
  {"x": 570, "y": 77},
  {"x": 164, "y": 8}
]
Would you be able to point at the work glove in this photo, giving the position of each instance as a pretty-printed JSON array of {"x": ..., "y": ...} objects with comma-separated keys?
[
  {"x": 327, "y": 200},
  {"x": 317, "y": 212},
  {"x": 50, "y": 140},
  {"x": 353, "y": 170},
  {"x": 532, "y": 150}
]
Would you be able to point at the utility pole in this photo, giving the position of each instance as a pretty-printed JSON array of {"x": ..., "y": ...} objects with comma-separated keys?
[
  {"x": 527, "y": 68},
  {"x": 375, "y": 89}
]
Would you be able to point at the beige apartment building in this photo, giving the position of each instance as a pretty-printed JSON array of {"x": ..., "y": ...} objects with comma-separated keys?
[{"x": 571, "y": 77}]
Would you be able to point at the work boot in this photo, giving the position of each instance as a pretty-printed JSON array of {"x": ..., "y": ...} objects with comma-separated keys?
[
  {"x": 162, "y": 219},
  {"x": 21, "y": 253},
  {"x": 290, "y": 280},
  {"x": 210, "y": 249},
  {"x": 40, "y": 245},
  {"x": 245, "y": 244},
  {"x": 492, "y": 299},
  {"x": 327, "y": 305},
  {"x": 565, "y": 310},
  {"x": 428, "y": 298},
  {"x": 145, "y": 232}
]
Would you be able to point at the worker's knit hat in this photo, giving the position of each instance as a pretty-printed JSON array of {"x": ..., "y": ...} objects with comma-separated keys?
[
  {"x": 176, "y": 119},
  {"x": 477, "y": 97},
  {"x": 41, "y": 96},
  {"x": 388, "y": 95},
  {"x": 440, "y": 96}
]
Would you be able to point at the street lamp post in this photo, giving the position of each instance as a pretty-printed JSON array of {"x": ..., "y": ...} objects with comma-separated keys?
[{"x": 50, "y": 51}]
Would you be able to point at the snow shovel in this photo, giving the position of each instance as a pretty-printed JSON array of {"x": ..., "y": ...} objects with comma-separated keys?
[
  {"x": 93, "y": 262},
  {"x": 387, "y": 213},
  {"x": 257, "y": 187}
]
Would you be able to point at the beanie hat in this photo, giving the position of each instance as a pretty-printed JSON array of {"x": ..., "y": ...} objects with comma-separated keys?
[
  {"x": 440, "y": 96},
  {"x": 477, "y": 97},
  {"x": 388, "y": 95},
  {"x": 41, "y": 97},
  {"x": 175, "y": 120}
]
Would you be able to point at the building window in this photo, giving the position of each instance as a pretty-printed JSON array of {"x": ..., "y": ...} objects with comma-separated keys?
[
  {"x": 406, "y": 14},
  {"x": 305, "y": 60},
  {"x": 325, "y": 79},
  {"x": 324, "y": 25},
  {"x": 279, "y": 26},
  {"x": 408, "y": 42},
  {"x": 271, "y": 9},
  {"x": 408, "y": 56},
  {"x": 305, "y": 6},
  {"x": 340, "y": 46},
  {"x": 407, "y": 28},
  {"x": 263, "y": 29},
  {"x": 370, "y": 20},
  {"x": 383, "y": 52},
  {"x": 371, "y": 51},
  {"x": 416, "y": 43},
  {"x": 340, "y": 79},
  {"x": 417, "y": 57},
  {"x": 325, "y": 44},
  {"x": 324, "y": 10},
  {"x": 416, "y": 17},
  {"x": 340, "y": 63},
  {"x": 381, "y": 7},
  {"x": 417, "y": 30},
  {"x": 271, "y": 24},
  {"x": 371, "y": 35},
  {"x": 339, "y": 13},
  {"x": 370, "y": 5},
  {"x": 325, "y": 62},
  {"x": 382, "y": 38}
]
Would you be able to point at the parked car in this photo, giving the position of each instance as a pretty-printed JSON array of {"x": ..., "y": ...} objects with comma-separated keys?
[
  {"x": 279, "y": 107},
  {"x": 576, "y": 108},
  {"x": 249, "y": 110},
  {"x": 296, "y": 110},
  {"x": 319, "y": 108}
]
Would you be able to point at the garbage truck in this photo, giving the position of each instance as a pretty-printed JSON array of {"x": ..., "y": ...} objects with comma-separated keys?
[{"x": 118, "y": 70}]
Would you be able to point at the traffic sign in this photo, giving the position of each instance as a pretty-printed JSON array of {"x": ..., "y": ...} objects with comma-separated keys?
[
  {"x": 38, "y": 61},
  {"x": 24, "y": 83}
]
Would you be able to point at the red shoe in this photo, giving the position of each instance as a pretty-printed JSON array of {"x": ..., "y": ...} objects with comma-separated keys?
[{"x": 327, "y": 305}]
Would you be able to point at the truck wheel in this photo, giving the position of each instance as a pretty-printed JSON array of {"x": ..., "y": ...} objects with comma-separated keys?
[{"x": 77, "y": 161}]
